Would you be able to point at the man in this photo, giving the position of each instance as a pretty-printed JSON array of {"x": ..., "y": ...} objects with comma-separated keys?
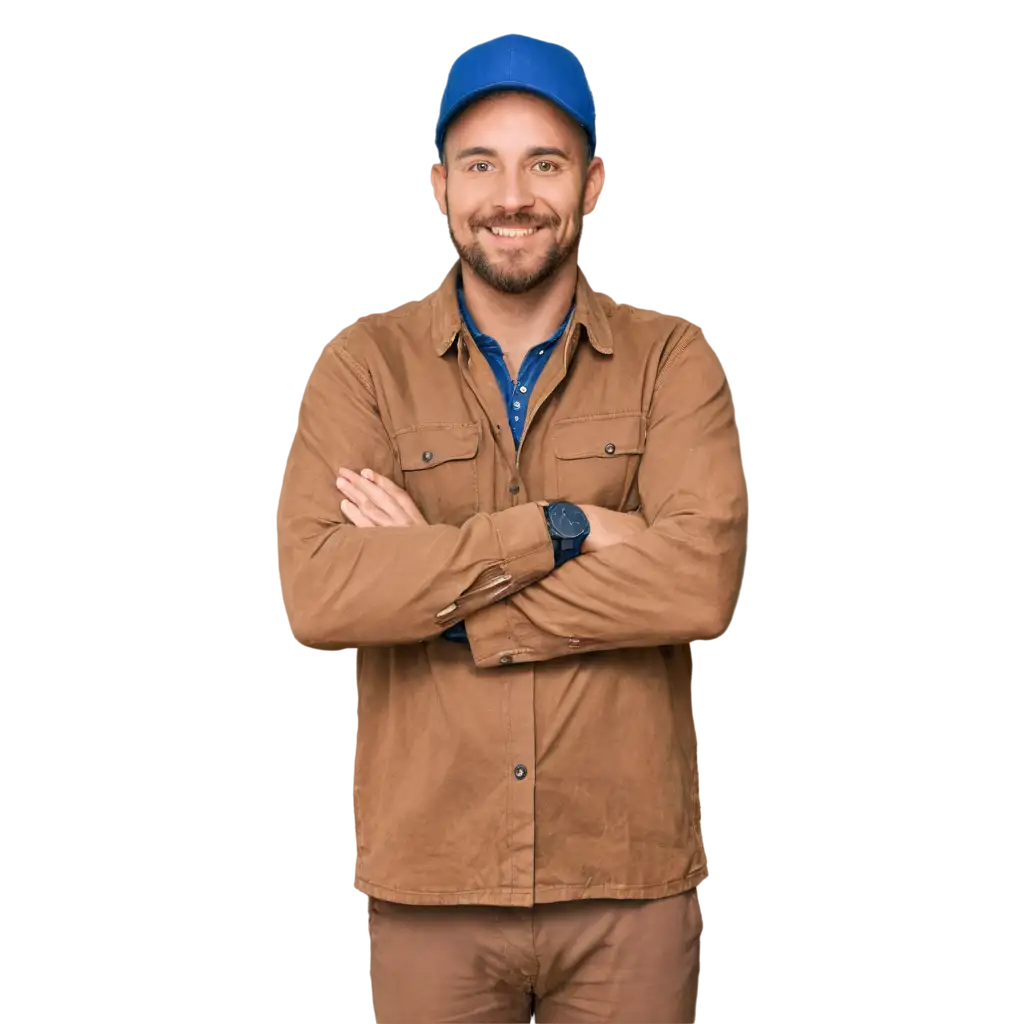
[{"x": 520, "y": 501}]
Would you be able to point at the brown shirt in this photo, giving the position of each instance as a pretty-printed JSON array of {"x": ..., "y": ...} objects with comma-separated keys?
[{"x": 554, "y": 757}]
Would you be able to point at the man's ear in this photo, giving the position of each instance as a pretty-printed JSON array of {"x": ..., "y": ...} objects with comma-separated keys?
[
  {"x": 593, "y": 184},
  {"x": 438, "y": 180}
]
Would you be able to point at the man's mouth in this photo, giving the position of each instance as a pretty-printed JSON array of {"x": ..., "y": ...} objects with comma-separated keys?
[{"x": 513, "y": 232}]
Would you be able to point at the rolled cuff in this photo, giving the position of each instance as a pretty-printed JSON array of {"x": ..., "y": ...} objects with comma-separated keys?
[{"x": 526, "y": 555}]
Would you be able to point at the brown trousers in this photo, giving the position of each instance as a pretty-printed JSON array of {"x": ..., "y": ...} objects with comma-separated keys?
[{"x": 580, "y": 960}]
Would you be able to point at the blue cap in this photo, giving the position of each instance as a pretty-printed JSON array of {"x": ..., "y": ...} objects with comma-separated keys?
[{"x": 518, "y": 62}]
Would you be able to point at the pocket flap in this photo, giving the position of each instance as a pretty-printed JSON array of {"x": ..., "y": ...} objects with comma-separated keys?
[
  {"x": 425, "y": 447},
  {"x": 618, "y": 434}
]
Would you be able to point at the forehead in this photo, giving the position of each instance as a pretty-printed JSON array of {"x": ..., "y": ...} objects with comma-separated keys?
[{"x": 512, "y": 120}]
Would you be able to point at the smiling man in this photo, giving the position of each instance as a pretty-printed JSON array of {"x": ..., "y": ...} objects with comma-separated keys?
[{"x": 521, "y": 501}]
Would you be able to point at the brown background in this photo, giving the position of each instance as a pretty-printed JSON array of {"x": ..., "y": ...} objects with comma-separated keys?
[{"x": 187, "y": 200}]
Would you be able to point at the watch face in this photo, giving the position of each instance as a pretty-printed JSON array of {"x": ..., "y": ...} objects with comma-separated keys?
[{"x": 567, "y": 520}]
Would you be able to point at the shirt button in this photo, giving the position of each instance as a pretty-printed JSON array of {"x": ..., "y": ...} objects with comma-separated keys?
[
  {"x": 505, "y": 659},
  {"x": 520, "y": 771},
  {"x": 427, "y": 456},
  {"x": 515, "y": 405},
  {"x": 522, "y": 387},
  {"x": 513, "y": 488},
  {"x": 609, "y": 448}
]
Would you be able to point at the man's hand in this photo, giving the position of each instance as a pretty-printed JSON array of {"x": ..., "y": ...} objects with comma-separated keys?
[
  {"x": 374, "y": 500},
  {"x": 608, "y": 528}
]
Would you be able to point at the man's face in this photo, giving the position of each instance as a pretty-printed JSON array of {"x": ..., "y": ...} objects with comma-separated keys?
[{"x": 516, "y": 188}]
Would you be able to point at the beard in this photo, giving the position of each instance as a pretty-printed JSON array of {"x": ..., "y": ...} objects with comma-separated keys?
[{"x": 510, "y": 280}]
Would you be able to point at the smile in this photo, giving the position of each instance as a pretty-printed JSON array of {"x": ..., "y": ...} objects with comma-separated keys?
[{"x": 512, "y": 232}]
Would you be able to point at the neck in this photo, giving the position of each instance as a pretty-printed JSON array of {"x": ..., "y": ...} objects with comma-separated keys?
[{"x": 520, "y": 321}]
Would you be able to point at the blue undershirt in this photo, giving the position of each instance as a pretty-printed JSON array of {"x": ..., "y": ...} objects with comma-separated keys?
[{"x": 515, "y": 392}]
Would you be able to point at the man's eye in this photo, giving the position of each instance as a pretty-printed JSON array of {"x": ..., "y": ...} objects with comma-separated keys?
[
  {"x": 479, "y": 163},
  {"x": 545, "y": 165}
]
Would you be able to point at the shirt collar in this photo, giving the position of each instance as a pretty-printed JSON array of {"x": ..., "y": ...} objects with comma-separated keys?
[
  {"x": 446, "y": 317},
  {"x": 480, "y": 338}
]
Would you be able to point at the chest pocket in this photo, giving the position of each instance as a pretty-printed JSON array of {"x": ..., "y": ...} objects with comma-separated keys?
[
  {"x": 597, "y": 458},
  {"x": 439, "y": 467}
]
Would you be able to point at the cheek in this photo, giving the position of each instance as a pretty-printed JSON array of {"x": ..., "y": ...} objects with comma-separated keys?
[
  {"x": 462, "y": 232},
  {"x": 567, "y": 228},
  {"x": 566, "y": 204},
  {"x": 464, "y": 216},
  {"x": 460, "y": 224},
  {"x": 468, "y": 201}
]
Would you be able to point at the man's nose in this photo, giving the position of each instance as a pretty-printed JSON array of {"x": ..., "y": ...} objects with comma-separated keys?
[{"x": 514, "y": 192}]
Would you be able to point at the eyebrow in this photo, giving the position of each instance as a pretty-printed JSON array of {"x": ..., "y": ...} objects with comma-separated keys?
[{"x": 536, "y": 151}]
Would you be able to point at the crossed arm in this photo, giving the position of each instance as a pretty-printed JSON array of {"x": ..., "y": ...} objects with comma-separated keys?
[
  {"x": 673, "y": 578},
  {"x": 374, "y": 500}
]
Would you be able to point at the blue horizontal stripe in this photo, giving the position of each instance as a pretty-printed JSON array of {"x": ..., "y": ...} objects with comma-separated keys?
[{"x": 792, "y": 91}]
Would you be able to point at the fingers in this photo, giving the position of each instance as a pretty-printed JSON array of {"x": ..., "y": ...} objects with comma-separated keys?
[
  {"x": 354, "y": 516},
  {"x": 358, "y": 495},
  {"x": 380, "y": 501},
  {"x": 397, "y": 494}
]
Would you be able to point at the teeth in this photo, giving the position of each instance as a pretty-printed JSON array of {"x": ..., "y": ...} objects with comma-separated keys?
[{"x": 512, "y": 232}]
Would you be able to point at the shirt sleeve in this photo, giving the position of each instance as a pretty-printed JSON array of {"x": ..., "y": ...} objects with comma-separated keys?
[
  {"x": 345, "y": 586},
  {"x": 674, "y": 582}
]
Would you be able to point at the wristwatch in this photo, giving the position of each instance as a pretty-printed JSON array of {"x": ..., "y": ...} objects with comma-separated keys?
[{"x": 569, "y": 528}]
